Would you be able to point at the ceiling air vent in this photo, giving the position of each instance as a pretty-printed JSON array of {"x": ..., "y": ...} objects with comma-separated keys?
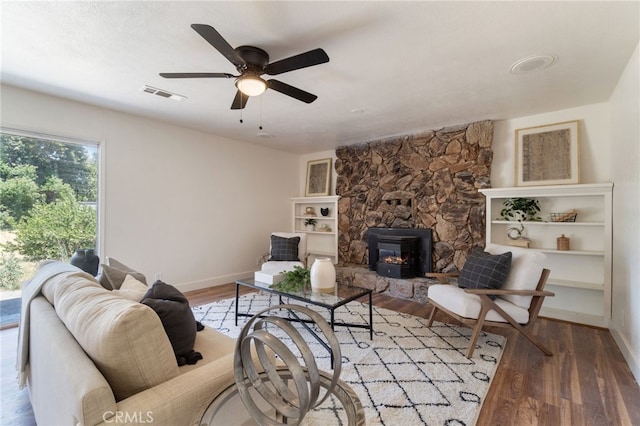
[{"x": 162, "y": 93}]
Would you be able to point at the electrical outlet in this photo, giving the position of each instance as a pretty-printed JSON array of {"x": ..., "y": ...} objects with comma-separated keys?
[{"x": 158, "y": 276}]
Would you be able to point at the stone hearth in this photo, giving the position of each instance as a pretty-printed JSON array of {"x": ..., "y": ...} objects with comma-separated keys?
[{"x": 360, "y": 276}]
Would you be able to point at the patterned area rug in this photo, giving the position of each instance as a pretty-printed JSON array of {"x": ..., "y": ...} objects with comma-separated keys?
[{"x": 408, "y": 375}]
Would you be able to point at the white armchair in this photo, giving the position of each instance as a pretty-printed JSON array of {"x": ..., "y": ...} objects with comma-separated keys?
[
  {"x": 515, "y": 304},
  {"x": 282, "y": 255}
]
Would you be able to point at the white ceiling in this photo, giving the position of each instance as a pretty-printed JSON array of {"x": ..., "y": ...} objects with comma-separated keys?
[{"x": 395, "y": 67}]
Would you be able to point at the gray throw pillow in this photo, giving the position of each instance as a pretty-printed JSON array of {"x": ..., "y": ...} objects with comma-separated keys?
[
  {"x": 115, "y": 272},
  {"x": 284, "y": 249},
  {"x": 485, "y": 270}
]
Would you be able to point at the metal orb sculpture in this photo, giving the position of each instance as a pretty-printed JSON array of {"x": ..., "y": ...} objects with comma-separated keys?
[{"x": 292, "y": 389}]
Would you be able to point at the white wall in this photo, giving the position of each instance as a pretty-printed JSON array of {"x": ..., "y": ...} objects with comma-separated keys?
[
  {"x": 595, "y": 143},
  {"x": 625, "y": 148},
  {"x": 195, "y": 207}
]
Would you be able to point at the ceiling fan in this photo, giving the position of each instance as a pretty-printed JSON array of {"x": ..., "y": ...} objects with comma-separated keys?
[{"x": 252, "y": 62}]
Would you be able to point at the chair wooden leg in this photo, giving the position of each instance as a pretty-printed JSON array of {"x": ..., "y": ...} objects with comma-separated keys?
[
  {"x": 477, "y": 329},
  {"x": 432, "y": 316},
  {"x": 517, "y": 326}
]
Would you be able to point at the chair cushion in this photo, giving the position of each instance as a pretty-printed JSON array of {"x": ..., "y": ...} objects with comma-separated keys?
[
  {"x": 485, "y": 270},
  {"x": 284, "y": 249},
  {"x": 526, "y": 268},
  {"x": 468, "y": 305}
]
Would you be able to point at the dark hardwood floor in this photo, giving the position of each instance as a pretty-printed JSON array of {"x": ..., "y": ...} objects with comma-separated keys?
[{"x": 585, "y": 382}]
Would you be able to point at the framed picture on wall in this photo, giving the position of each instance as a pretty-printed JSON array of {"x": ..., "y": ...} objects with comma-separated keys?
[
  {"x": 318, "y": 177},
  {"x": 548, "y": 155}
]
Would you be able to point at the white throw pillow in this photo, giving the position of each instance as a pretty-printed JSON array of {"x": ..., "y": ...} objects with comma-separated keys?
[{"x": 132, "y": 289}]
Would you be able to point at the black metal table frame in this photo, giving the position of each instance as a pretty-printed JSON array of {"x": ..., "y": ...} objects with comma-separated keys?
[{"x": 331, "y": 308}]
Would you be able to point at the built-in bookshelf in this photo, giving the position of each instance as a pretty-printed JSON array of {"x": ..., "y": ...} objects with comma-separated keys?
[{"x": 581, "y": 276}]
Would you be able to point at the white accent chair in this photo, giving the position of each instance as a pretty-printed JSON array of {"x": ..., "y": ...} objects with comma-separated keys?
[
  {"x": 275, "y": 267},
  {"x": 517, "y": 304}
]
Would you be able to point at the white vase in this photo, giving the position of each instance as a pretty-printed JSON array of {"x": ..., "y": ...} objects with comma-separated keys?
[{"x": 323, "y": 275}]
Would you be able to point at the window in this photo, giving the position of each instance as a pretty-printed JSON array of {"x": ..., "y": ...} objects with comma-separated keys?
[{"x": 48, "y": 202}]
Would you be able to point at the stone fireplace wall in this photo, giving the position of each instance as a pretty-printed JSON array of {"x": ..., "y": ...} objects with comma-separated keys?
[{"x": 429, "y": 180}]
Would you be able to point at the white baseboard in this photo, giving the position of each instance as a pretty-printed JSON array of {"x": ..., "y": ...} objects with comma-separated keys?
[
  {"x": 571, "y": 316},
  {"x": 628, "y": 355},
  {"x": 213, "y": 282}
]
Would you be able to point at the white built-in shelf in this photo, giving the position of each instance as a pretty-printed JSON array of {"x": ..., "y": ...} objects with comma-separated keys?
[
  {"x": 583, "y": 287},
  {"x": 572, "y": 252},
  {"x": 543, "y": 223},
  {"x": 319, "y": 243},
  {"x": 575, "y": 284}
]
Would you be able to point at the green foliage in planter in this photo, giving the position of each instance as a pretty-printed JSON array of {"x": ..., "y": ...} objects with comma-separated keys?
[
  {"x": 521, "y": 209},
  {"x": 295, "y": 280},
  {"x": 308, "y": 222}
]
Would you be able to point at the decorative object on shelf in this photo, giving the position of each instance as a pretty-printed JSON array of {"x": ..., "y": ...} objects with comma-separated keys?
[
  {"x": 291, "y": 389},
  {"x": 325, "y": 228},
  {"x": 87, "y": 260},
  {"x": 310, "y": 211},
  {"x": 521, "y": 209},
  {"x": 298, "y": 279},
  {"x": 310, "y": 224},
  {"x": 324, "y": 211},
  {"x": 318, "y": 177},
  {"x": 516, "y": 239},
  {"x": 568, "y": 216},
  {"x": 323, "y": 275},
  {"x": 548, "y": 155},
  {"x": 563, "y": 243}
]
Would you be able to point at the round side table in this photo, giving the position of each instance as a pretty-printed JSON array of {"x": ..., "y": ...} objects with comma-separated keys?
[{"x": 343, "y": 403}]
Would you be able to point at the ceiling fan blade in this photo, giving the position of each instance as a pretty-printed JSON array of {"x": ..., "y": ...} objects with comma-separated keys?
[
  {"x": 196, "y": 75},
  {"x": 294, "y": 92},
  {"x": 216, "y": 40},
  {"x": 240, "y": 101},
  {"x": 303, "y": 60}
]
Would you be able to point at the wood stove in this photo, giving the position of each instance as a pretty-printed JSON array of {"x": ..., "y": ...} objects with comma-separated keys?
[
  {"x": 419, "y": 245},
  {"x": 397, "y": 256}
]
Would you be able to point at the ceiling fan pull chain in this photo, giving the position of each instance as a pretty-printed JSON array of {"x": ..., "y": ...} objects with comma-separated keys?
[
  {"x": 241, "y": 117},
  {"x": 260, "y": 126}
]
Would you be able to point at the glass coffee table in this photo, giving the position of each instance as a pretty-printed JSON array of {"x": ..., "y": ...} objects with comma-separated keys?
[{"x": 330, "y": 301}]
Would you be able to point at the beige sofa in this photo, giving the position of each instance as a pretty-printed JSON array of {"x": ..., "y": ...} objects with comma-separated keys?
[{"x": 95, "y": 357}]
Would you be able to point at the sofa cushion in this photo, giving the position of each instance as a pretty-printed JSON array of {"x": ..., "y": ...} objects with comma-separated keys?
[
  {"x": 175, "y": 314},
  {"x": 124, "y": 339},
  {"x": 485, "y": 270},
  {"x": 284, "y": 249},
  {"x": 526, "y": 268},
  {"x": 114, "y": 273}
]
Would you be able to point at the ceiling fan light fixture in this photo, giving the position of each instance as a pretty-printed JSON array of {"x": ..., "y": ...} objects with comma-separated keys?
[{"x": 251, "y": 85}]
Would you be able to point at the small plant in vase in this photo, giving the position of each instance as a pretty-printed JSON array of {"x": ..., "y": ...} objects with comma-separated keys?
[
  {"x": 521, "y": 210},
  {"x": 310, "y": 224},
  {"x": 298, "y": 279}
]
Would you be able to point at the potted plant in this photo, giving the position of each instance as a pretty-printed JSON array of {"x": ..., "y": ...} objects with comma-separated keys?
[
  {"x": 521, "y": 209},
  {"x": 310, "y": 224},
  {"x": 297, "y": 279}
]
